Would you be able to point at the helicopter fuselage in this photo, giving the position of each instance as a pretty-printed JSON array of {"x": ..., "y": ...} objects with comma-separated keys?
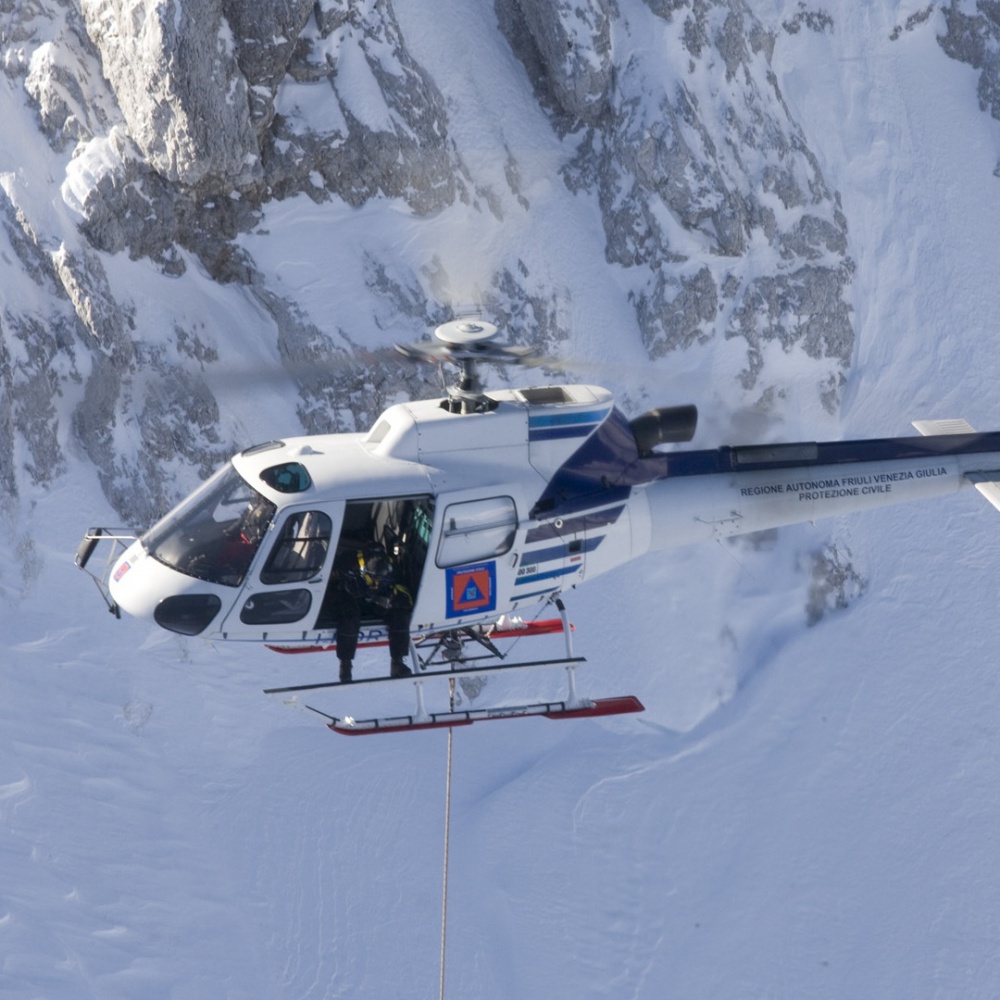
[{"x": 488, "y": 512}]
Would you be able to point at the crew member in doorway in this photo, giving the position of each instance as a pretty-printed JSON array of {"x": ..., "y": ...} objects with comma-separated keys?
[{"x": 369, "y": 586}]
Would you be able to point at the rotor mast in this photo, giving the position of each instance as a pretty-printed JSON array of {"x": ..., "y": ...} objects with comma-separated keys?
[{"x": 466, "y": 343}]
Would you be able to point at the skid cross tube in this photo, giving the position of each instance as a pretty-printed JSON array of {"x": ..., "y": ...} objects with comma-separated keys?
[{"x": 453, "y": 672}]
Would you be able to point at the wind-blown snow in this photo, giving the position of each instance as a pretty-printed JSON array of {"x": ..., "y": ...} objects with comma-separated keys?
[{"x": 800, "y": 812}]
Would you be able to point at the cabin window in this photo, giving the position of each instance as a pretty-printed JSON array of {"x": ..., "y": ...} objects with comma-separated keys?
[
  {"x": 276, "y": 607},
  {"x": 477, "y": 529},
  {"x": 291, "y": 477},
  {"x": 187, "y": 614},
  {"x": 300, "y": 551}
]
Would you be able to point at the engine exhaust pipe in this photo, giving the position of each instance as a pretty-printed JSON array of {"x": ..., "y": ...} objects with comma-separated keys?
[{"x": 664, "y": 425}]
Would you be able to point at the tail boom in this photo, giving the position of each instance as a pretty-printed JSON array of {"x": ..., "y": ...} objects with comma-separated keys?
[{"x": 735, "y": 491}]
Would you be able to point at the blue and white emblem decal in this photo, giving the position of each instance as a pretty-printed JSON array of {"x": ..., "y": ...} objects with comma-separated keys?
[{"x": 471, "y": 589}]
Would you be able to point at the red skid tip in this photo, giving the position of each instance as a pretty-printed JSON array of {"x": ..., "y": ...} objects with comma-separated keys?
[{"x": 601, "y": 706}]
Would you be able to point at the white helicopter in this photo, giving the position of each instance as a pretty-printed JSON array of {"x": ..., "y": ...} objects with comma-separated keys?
[{"x": 488, "y": 503}]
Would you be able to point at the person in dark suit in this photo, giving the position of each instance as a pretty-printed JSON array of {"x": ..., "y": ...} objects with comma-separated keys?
[{"x": 369, "y": 586}]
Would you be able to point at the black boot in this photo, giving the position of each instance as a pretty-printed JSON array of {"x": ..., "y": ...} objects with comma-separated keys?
[
  {"x": 400, "y": 669},
  {"x": 345, "y": 672}
]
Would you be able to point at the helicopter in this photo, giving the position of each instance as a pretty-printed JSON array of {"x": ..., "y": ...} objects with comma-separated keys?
[{"x": 490, "y": 502}]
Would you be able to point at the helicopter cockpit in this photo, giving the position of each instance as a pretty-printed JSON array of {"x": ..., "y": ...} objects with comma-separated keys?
[{"x": 216, "y": 533}]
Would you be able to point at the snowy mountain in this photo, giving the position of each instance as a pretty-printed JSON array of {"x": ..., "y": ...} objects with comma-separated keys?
[{"x": 784, "y": 212}]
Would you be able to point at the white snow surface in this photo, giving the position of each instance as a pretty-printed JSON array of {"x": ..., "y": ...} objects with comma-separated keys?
[{"x": 801, "y": 812}]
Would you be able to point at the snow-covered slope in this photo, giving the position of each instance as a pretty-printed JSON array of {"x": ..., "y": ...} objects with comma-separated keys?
[{"x": 804, "y": 810}]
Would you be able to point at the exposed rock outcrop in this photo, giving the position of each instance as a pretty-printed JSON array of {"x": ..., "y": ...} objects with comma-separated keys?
[
  {"x": 172, "y": 65},
  {"x": 381, "y": 126},
  {"x": 267, "y": 36},
  {"x": 37, "y": 360},
  {"x": 186, "y": 120},
  {"x": 566, "y": 48},
  {"x": 708, "y": 191},
  {"x": 972, "y": 36}
]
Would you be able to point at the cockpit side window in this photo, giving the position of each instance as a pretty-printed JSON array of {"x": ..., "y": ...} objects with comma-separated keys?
[
  {"x": 215, "y": 533},
  {"x": 300, "y": 551}
]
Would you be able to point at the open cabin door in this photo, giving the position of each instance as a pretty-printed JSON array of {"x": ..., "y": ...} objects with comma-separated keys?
[{"x": 400, "y": 526}]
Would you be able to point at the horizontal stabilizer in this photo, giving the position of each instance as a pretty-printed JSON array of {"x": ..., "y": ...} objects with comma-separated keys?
[
  {"x": 988, "y": 482},
  {"x": 445, "y": 720},
  {"x": 930, "y": 428}
]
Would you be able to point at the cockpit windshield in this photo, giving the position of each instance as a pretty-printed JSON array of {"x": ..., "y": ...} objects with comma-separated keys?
[{"x": 215, "y": 533}]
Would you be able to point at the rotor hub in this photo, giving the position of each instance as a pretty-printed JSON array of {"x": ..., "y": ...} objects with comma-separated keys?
[
  {"x": 466, "y": 332},
  {"x": 467, "y": 343}
]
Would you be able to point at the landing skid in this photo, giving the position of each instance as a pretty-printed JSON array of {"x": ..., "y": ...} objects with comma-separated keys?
[
  {"x": 584, "y": 709},
  {"x": 444, "y": 655},
  {"x": 454, "y": 670}
]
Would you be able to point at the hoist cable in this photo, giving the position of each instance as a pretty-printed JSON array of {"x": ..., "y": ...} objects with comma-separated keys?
[{"x": 447, "y": 834}]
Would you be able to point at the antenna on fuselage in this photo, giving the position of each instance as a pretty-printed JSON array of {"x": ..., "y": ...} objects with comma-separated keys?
[{"x": 466, "y": 343}]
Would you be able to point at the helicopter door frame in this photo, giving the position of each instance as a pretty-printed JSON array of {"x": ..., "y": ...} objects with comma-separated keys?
[
  {"x": 283, "y": 591},
  {"x": 475, "y": 581},
  {"x": 403, "y": 525}
]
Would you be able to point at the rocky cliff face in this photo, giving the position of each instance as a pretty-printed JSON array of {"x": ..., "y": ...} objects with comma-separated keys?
[
  {"x": 972, "y": 36},
  {"x": 171, "y": 128},
  {"x": 173, "y": 69},
  {"x": 734, "y": 176}
]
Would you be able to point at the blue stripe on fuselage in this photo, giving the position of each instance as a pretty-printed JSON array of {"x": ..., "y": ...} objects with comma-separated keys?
[
  {"x": 556, "y": 433},
  {"x": 756, "y": 458},
  {"x": 585, "y": 521},
  {"x": 555, "y": 426},
  {"x": 561, "y": 551},
  {"x": 562, "y": 419}
]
